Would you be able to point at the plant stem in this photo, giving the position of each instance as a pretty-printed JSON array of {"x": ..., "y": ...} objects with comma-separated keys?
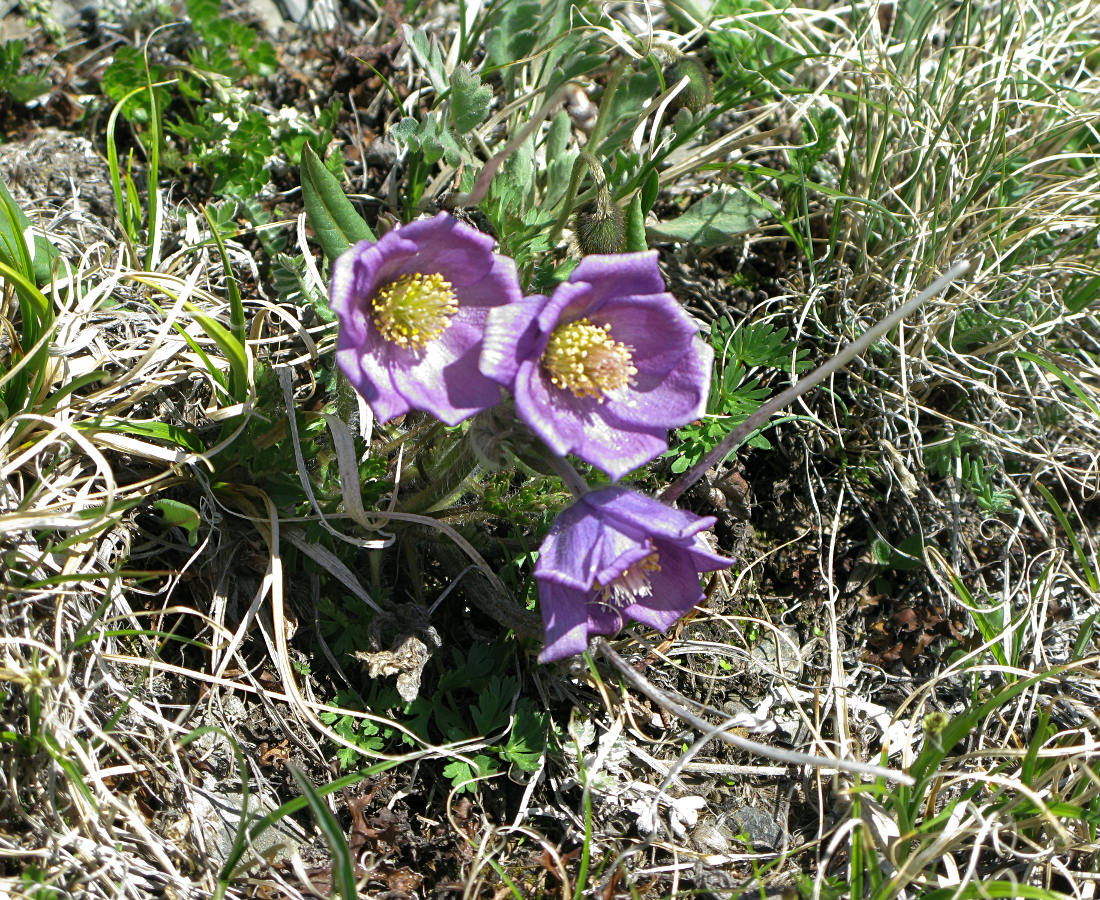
[
  {"x": 485, "y": 178},
  {"x": 818, "y": 375},
  {"x": 584, "y": 160},
  {"x": 788, "y": 757}
]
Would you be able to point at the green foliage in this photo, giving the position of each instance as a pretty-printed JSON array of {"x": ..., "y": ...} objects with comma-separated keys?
[
  {"x": 469, "y": 100},
  {"x": 514, "y": 34},
  {"x": 714, "y": 219},
  {"x": 363, "y": 733},
  {"x": 949, "y": 456},
  {"x": 22, "y": 88},
  {"x": 474, "y": 699},
  {"x": 334, "y": 220},
  {"x": 225, "y": 45},
  {"x": 735, "y": 393}
]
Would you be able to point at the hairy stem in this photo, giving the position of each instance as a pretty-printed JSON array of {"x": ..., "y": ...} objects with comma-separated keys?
[
  {"x": 789, "y": 757},
  {"x": 584, "y": 160}
]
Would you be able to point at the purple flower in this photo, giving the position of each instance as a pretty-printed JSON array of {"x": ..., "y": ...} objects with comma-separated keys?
[
  {"x": 615, "y": 554},
  {"x": 412, "y": 309},
  {"x": 605, "y": 366}
]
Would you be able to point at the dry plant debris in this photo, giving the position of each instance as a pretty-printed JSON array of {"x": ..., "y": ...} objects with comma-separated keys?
[{"x": 250, "y": 646}]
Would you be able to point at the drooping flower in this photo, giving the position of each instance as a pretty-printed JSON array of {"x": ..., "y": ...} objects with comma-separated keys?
[
  {"x": 412, "y": 309},
  {"x": 617, "y": 554},
  {"x": 605, "y": 366}
]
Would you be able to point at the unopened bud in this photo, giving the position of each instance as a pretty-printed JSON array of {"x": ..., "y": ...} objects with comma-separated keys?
[
  {"x": 599, "y": 226},
  {"x": 697, "y": 93}
]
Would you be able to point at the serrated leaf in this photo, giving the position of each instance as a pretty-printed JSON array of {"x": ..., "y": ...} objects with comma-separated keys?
[
  {"x": 713, "y": 220},
  {"x": 462, "y": 776},
  {"x": 334, "y": 220},
  {"x": 469, "y": 100}
]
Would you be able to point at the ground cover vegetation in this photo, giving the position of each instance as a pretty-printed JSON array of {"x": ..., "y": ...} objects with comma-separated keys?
[{"x": 282, "y": 615}]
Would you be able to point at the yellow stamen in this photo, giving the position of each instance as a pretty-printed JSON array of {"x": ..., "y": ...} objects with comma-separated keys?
[
  {"x": 630, "y": 584},
  {"x": 415, "y": 309},
  {"x": 585, "y": 359}
]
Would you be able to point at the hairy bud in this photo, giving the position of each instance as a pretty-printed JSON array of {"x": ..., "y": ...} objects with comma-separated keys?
[
  {"x": 599, "y": 226},
  {"x": 699, "y": 90}
]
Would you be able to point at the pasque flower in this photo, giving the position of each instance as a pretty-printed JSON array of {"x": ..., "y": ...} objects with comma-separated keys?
[
  {"x": 617, "y": 554},
  {"x": 412, "y": 309},
  {"x": 605, "y": 366}
]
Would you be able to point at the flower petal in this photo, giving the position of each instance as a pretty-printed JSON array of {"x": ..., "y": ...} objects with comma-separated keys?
[
  {"x": 463, "y": 255},
  {"x": 565, "y": 619},
  {"x": 675, "y": 590},
  {"x": 511, "y": 336},
  {"x": 607, "y": 274}
]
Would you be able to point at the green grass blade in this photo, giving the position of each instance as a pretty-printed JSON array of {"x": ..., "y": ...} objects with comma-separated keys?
[{"x": 343, "y": 869}]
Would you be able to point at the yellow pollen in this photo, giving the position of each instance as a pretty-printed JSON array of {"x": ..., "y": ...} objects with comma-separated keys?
[
  {"x": 630, "y": 584},
  {"x": 415, "y": 309},
  {"x": 585, "y": 359}
]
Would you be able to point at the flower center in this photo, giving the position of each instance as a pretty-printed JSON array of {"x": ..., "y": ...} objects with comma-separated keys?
[
  {"x": 415, "y": 309},
  {"x": 630, "y": 584},
  {"x": 585, "y": 359}
]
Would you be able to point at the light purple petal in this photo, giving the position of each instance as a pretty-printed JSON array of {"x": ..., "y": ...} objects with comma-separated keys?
[
  {"x": 511, "y": 336},
  {"x": 499, "y": 287},
  {"x": 655, "y": 327},
  {"x": 565, "y": 618},
  {"x": 580, "y": 425},
  {"x": 675, "y": 590},
  {"x": 374, "y": 380},
  {"x": 569, "y": 554},
  {"x": 603, "y": 619},
  {"x": 463, "y": 255},
  {"x": 443, "y": 376},
  {"x": 611, "y": 275},
  {"x": 623, "y": 507},
  {"x": 675, "y": 399}
]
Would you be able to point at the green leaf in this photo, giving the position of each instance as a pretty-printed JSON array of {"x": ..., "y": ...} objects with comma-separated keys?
[
  {"x": 343, "y": 869},
  {"x": 469, "y": 100},
  {"x": 635, "y": 226},
  {"x": 329, "y": 211},
  {"x": 714, "y": 220},
  {"x": 429, "y": 56},
  {"x": 181, "y": 515},
  {"x": 650, "y": 187},
  {"x": 462, "y": 776},
  {"x": 515, "y": 35},
  {"x": 12, "y": 218},
  {"x": 527, "y": 740}
]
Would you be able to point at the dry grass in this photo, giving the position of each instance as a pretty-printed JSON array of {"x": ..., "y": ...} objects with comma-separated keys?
[{"x": 149, "y": 683}]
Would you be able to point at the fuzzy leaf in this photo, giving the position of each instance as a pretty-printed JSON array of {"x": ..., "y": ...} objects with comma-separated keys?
[
  {"x": 515, "y": 35},
  {"x": 469, "y": 100},
  {"x": 635, "y": 226},
  {"x": 429, "y": 56},
  {"x": 714, "y": 220},
  {"x": 330, "y": 213}
]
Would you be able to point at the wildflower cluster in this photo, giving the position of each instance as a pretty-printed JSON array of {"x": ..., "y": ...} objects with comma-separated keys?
[{"x": 432, "y": 319}]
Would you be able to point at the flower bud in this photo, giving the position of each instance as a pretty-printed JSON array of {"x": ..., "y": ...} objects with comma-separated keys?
[
  {"x": 599, "y": 226},
  {"x": 698, "y": 92}
]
